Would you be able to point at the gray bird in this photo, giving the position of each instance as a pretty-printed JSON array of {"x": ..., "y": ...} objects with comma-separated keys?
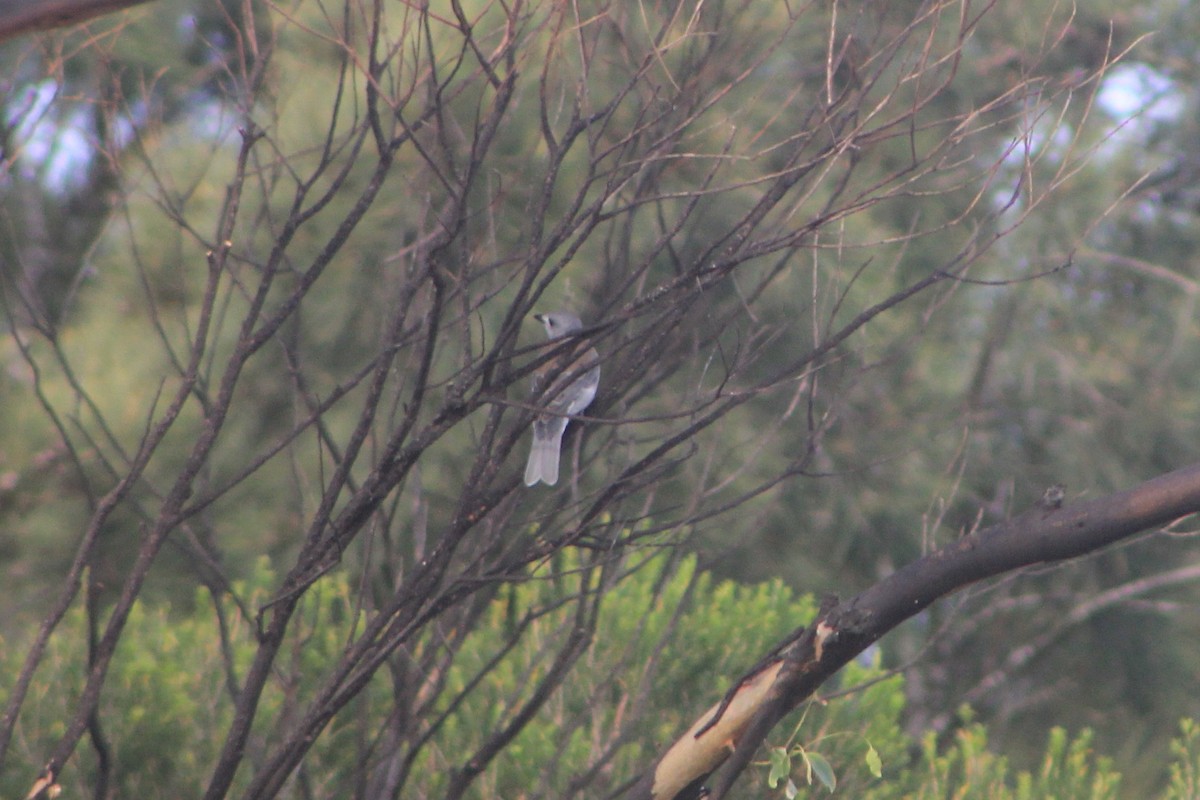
[{"x": 574, "y": 378}]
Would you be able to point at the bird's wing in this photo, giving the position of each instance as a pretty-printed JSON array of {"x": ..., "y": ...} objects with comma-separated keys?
[{"x": 582, "y": 377}]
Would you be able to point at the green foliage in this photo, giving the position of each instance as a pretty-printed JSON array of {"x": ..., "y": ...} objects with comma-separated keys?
[
  {"x": 612, "y": 685},
  {"x": 1185, "y": 767},
  {"x": 168, "y": 702},
  {"x": 165, "y": 689},
  {"x": 842, "y": 755}
]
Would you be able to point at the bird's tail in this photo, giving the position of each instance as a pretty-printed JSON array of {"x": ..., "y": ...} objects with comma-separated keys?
[{"x": 543, "y": 459}]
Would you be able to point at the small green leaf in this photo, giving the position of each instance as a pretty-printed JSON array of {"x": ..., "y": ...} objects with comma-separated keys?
[
  {"x": 790, "y": 791},
  {"x": 874, "y": 762},
  {"x": 823, "y": 770},
  {"x": 781, "y": 765}
]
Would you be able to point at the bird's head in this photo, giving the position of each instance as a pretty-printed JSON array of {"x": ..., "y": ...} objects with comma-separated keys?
[{"x": 559, "y": 323}]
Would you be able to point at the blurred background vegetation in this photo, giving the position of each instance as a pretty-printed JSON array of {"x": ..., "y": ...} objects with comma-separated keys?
[{"x": 1069, "y": 354}]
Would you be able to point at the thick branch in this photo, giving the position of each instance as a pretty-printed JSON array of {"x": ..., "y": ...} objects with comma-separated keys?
[
  {"x": 26, "y": 16},
  {"x": 1039, "y": 536}
]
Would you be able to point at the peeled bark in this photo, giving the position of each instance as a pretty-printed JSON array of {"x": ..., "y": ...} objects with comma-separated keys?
[{"x": 842, "y": 630}]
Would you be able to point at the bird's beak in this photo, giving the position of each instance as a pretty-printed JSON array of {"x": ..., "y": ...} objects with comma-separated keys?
[{"x": 540, "y": 318}]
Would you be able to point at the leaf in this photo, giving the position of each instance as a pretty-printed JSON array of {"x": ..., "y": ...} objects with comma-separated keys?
[
  {"x": 781, "y": 765},
  {"x": 874, "y": 762},
  {"x": 823, "y": 770},
  {"x": 790, "y": 791}
]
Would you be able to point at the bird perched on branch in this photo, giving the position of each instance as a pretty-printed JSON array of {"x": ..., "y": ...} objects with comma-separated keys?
[{"x": 563, "y": 386}]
